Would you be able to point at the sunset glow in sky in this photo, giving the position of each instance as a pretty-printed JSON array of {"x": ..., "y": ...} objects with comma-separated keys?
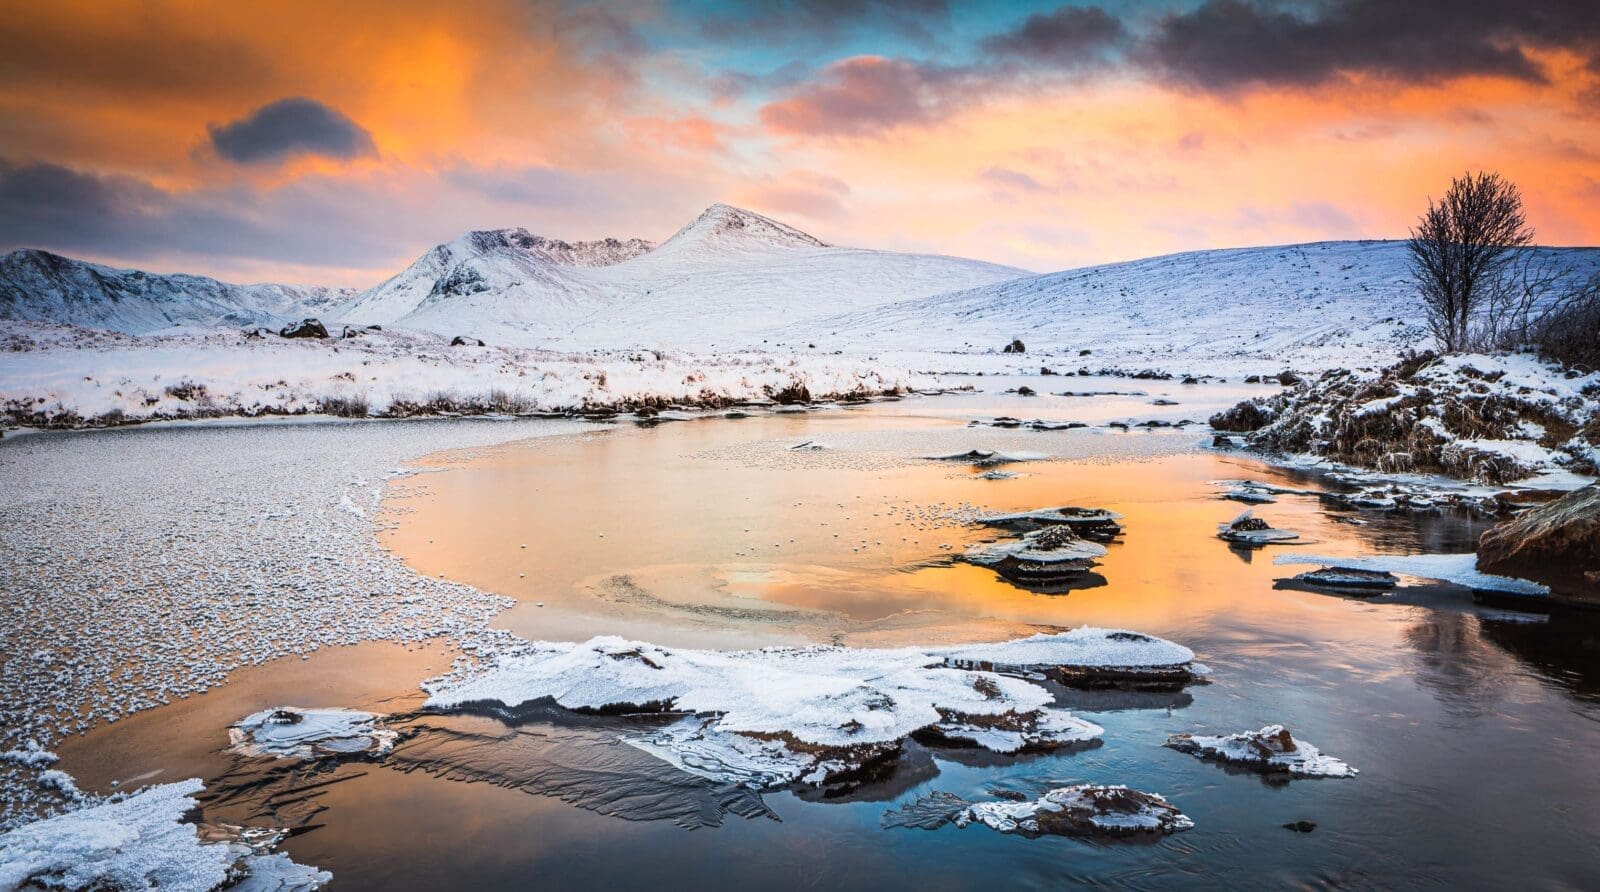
[{"x": 333, "y": 142}]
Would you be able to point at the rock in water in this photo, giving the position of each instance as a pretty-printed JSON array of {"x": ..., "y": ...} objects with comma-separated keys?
[
  {"x": 1271, "y": 749},
  {"x": 1082, "y": 810},
  {"x": 305, "y": 328},
  {"x": 1556, "y": 544}
]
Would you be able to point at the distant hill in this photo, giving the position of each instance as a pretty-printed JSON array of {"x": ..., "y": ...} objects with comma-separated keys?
[
  {"x": 38, "y": 286},
  {"x": 1313, "y": 305}
]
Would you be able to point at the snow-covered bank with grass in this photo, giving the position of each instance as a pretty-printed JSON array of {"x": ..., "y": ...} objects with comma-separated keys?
[
  {"x": 52, "y": 376},
  {"x": 1488, "y": 418}
]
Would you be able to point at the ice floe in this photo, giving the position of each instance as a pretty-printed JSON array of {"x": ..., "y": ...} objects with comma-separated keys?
[
  {"x": 1348, "y": 579},
  {"x": 289, "y": 732},
  {"x": 986, "y": 458},
  {"x": 813, "y": 714},
  {"x": 1460, "y": 569},
  {"x": 1271, "y": 749}
]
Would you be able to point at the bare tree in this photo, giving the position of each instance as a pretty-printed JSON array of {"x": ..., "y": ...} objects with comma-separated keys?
[{"x": 1463, "y": 251}]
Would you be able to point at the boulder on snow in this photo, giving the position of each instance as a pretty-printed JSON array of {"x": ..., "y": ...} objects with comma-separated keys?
[
  {"x": 1250, "y": 415},
  {"x": 464, "y": 341},
  {"x": 305, "y": 328},
  {"x": 1557, "y": 544},
  {"x": 1016, "y": 346}
]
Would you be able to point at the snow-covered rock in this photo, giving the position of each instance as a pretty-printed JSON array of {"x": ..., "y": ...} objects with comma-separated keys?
[
  {"x": 1050, "y": 556},
  {"x": 1095, "y": 524},
  {"x": 1247, "y": 529},
  {"x": 1271, "y": 749},
  {"x": 289, "y": 732},
  {"x": 1081, "y": 810}
]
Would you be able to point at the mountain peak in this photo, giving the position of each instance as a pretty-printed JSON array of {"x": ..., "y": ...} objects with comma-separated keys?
[
  {"x": 600, "y": 252},
  {"x": 725, "y": 226}
]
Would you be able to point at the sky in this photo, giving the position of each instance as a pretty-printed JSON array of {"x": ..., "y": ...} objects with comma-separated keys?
[{"x": 334, "y": 142}]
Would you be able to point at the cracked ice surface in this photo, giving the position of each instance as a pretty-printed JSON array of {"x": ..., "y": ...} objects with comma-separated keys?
[{"x": 143, "y": 566}]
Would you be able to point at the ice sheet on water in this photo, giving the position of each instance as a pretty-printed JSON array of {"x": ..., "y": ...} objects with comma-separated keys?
[
  {"x": 1461, "y": 569},
  {"x": 290, "y": 732},
  {"x": 140, "y": 841}
]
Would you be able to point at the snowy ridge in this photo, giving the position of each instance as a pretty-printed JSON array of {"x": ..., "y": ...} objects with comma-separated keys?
[
  {"x": 37, "y": 286},
  {"x": 1308, "y": 306},
  {"x": 715, "y": 283},
  {"x": 492, "y": 260}
]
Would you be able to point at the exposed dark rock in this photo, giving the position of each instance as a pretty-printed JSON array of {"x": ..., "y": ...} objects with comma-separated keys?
[
  {"x": 1250, "y": 415},
  {"x": 1556, "y": 544},
  {"x": 464, "y": 341},
  {"x": 305, "y": 328},
  {"x": 1025, "y": 390},
  {"x": 1288, "y": 378},
  {"x": 1046, "y": 370},
  {"x": 1301, "y": 826}
]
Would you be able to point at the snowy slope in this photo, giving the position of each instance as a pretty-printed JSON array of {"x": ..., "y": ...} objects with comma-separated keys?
[
  {"x": 495, "y": 262},
  {"x": 38, "y": 286},
  {"x": 1304, "y": 306},
  {"x": 714, "y": 283}
]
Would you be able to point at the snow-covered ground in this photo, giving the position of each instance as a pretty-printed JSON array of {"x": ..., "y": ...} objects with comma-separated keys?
[
  {"x": 1258, "y": 310},
  {"x": 73, "y": 377}
]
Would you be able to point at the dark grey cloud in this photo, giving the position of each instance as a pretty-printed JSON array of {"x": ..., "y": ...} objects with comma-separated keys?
[
  {"x": 313, "y": 222},
  {"x": 295, "y": 126},
  {"x": 1067, "y": 37},
  {"x": 1226, "y": 45}
]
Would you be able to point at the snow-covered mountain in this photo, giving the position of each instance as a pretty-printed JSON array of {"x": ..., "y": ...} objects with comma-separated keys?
[
  {"x": 715, "y": 282},
  {"x": 37, "y": 286},
  {"x": 493, "y": 260},
  {"x": 1307, "y": 306}
]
